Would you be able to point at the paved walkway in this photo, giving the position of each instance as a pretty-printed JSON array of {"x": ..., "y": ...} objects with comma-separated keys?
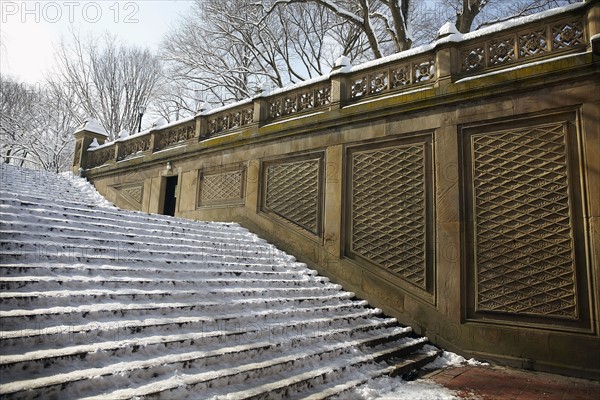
[{"x": 500, "y": 383}]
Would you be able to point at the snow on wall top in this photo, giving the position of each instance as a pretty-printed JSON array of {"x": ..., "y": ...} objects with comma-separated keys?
[
  {"x": 92, "y": 125},
  {"x": 447, "y": 33}
]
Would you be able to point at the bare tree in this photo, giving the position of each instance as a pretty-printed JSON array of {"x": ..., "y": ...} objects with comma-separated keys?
[
  {"x": 380, "y": 21},
  {"x": 467, "y": 15},
  {"x": 37, "y": 126},
  {"x": 230, "y": 48},
  {"x": 404, "y": 22},
  {"x": 109, "y": 81},
  {"x": 16, "y": 102}
]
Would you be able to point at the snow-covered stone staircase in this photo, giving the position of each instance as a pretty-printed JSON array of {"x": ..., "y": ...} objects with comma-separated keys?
[{"x": 100, "y": 302}]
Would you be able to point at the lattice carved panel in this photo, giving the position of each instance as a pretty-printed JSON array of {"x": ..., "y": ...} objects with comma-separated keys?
[
  {"x": 501, "y": 51},
  {"x": 400, "y": 76},
  {"x": 473, "y": 59},
  {"x": 100, "y": 156},
  {"x": 133, "y": 193},
  {"x": 524, "y": 243},
  {"x": 293, "y": 192},
  {"x": 299, "y": 101},
  {"x": 173, "y": 136},
  {"x": 533, "y": 43},
  {"x": 388, "y": 212},
  {"x": 537, "y": 41},
  {"x": 567, "y": 34},
  {"x": 221, "y": 188}
]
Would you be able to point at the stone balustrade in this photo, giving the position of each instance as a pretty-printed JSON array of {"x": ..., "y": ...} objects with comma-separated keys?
[{"x": 501, "y": 46}]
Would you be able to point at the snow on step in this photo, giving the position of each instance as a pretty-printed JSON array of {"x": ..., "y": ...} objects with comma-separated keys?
[{"x": 100, "y": 302}]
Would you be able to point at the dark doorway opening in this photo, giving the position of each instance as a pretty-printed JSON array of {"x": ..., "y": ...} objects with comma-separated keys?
[{"x": 170, "y": 196}]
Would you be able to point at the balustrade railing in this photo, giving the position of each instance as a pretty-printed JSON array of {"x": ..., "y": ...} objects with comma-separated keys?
[
  {"x": 133, "y": 146},
  {"x": 522, "y": 44},
  {"x": 306, "y": 98},
  {"x": 101, "y": 156},
  {"x": 493, "y": 48},
  {"x": 172, "y": 136},
  {"x": 229, "y": 119},
  {"x": 399, "y": 75}
]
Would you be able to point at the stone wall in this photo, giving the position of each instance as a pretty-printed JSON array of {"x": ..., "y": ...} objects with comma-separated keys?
[{"x": 454, "y": 186}]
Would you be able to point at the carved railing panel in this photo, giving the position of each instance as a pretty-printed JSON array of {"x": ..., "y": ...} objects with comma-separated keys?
[
  {"x": 101, "y": 156},
  {"x": 521, "y": 44},
  {"x": 293, "y": 191},
  {"x": 234, "y": 118},
  {"x": 175, "y": 135},
  {"x": 399, "y": 75},
  {"x": 299, "y": 100},
  {"x": 134, "y": 146}
]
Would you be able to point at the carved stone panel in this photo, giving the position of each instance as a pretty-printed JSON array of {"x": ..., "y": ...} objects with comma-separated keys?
[
  {"x": 221, "y": 188},
  {"x": 292, "y": 190},
  {"x": 132, "y": 193},
  {"x": 390, "y": 209},
  {"x": 522, "y": 227},
  {"x": 523, "y": 230}
]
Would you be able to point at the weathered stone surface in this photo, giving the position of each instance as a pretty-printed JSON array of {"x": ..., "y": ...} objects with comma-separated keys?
[{"x": 510, "y": 184}]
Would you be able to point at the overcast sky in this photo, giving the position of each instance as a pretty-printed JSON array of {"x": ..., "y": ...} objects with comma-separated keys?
[{"x": 30, "y": 29}]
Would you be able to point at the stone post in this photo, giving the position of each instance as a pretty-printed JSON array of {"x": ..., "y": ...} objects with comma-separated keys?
[
  {"x": 84, "y": 136},
  {"x": 118, "y": 146},
  {"x": 447, "y": 55},
  {"x": 261, "y": 106},
  {"x": 201, "y": 121},
  {"x": 592, "y": 20},
  {"x": 340, "y": 83}
]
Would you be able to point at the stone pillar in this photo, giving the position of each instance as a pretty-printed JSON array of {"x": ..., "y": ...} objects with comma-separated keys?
[
  {"x": 340, "y": 83},
  {"x": 447, "y": 55},
  {"x": 201, "y": 121},
  {"x": 84, "y": 136},
  {"x": 261, "y": 106},
  {"x": 188, "y": 188},
  {"x": 118, "y": 146},
  {"x": 592, "y": 20},
  {"x": 332, "y": 224},
  {"x": 252, "y": 185}
]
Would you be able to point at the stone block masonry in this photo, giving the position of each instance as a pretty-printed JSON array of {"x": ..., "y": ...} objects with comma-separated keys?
[{"x": 454, "y": 185}]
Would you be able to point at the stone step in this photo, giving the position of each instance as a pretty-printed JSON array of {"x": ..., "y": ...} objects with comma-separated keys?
[
  {"x": 13, "y": 319},
  {"x": 401, "y": 366},
  {"x": 86, "y": 238},
  {"x": 24, "y": 283},
  {"x": 207, "y": 270},
  {"x": 81, "y": 331},
  {"x": 48, "y": 298},
  {"x": 75, "y": 210},
  {"x": 49, "y": 253},
  {"x": 202, "y": 366},
  {"x": 34, "y": 222},
  {"x": 267, "y": 324},
  {"x": 330, "y": 359},
  {"x": 311, "y": 377},
  {"x": 52, "y": 360}
]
